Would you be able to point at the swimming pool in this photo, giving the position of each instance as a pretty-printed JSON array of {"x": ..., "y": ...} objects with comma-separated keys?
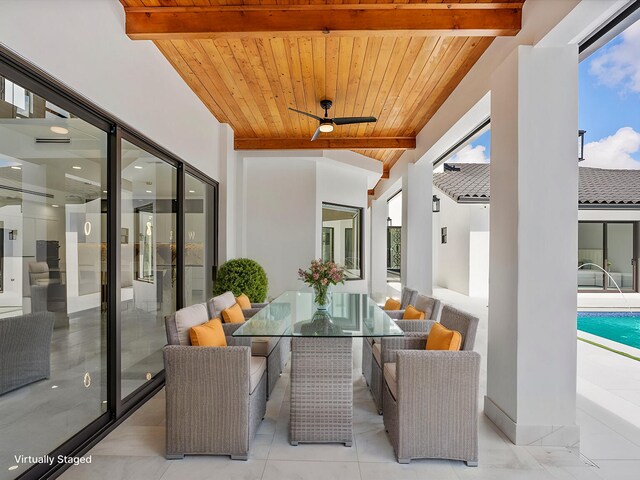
[{"x": 621, "y": 327}]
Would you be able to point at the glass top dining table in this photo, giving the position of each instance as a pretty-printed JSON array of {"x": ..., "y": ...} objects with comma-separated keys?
[{"x": 294, "y": 314}]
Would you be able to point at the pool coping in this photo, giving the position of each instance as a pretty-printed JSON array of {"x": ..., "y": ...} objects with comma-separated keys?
[{"x": 615, "y": 347}]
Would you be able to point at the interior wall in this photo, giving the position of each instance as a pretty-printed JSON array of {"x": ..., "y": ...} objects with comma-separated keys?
[
  {"x": 130, "y": 79},
  {"x": 281, "y": 227},
  {"x": 280, "y": 222}
]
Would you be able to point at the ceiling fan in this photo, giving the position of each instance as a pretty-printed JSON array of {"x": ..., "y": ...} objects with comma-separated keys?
[{"x": 326, "y": 123}]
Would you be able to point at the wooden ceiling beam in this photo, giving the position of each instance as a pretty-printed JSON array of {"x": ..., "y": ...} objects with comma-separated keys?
[
  {"x": 353, "y": 143},
  {"x": 459, "y": 19}
]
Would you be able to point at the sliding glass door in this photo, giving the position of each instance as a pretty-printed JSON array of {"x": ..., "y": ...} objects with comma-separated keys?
[
  {"x": 102, "y": 234},
  {"x": 199, "y": 239},
  {"x": 53, "y": 187},
  {"x": 148, "y": 262},
  {"x": 606, "y": 256}
]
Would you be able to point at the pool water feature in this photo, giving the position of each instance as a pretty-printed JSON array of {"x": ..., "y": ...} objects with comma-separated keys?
[{"x": 621, "y": 327}]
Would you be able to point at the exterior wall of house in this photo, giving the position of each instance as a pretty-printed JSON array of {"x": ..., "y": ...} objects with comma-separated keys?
[
  {"x": 461, "y": 264},
  {"x": 84, "y": 45},
  {"x": 279, "y": 213}
]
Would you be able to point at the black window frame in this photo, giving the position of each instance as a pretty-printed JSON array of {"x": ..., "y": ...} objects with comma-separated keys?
[
  {"x": 360, "y": 232},
  {"x": 34, "y": 79}
]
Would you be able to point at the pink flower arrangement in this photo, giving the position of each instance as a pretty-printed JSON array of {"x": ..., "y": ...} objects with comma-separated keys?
[{"x": 321, "y": 274}]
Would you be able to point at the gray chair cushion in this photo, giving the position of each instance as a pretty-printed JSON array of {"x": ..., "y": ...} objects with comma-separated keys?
[
  {"x": 188, "y": 317},
  {"x": 262, "y": 346},
  {"x": 391, "y": 379},
  {"x": 257, "y": 368},
  {"x": 219, "y": 303}
]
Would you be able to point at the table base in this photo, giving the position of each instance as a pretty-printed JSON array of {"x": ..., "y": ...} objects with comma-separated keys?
[{"x": 321, "y": 390}]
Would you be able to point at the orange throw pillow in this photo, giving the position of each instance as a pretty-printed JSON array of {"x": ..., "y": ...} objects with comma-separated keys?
[
  {"x": 233, "y": 314},
  {"x": 412, "y": 313},
  {"x": 208, "y": 334},
  {"x": 243, "y": 301},
  {"x": 392, "y": 304},
  {"x": 441, "y": 338}
]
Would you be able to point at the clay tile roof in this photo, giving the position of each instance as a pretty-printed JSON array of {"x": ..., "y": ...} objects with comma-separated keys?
[{"x": 598, "y": 186}]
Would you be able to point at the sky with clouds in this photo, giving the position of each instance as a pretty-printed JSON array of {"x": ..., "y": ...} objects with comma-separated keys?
[{"x": 609, "y": 107}]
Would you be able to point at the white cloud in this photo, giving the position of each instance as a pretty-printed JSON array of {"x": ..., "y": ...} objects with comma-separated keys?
[
  {"x": 471, "y": 154},
  {"x": 619, "y": 65},
  {"x": 613, "y": 151}
]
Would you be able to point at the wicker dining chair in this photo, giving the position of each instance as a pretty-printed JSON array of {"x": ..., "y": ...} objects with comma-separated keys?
[{"x": 431, "y": 397}]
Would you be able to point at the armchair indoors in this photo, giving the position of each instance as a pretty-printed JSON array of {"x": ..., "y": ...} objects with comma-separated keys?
[
  {"x": 25, "y": 349},
  {"x": 216, "y": 396}
]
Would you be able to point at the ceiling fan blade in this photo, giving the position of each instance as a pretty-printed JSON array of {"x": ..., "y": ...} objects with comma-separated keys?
[
  {"x": 307, "y": 114},
  {"x": 350, "y": 120},
  {"x": 316, "y": 134}
]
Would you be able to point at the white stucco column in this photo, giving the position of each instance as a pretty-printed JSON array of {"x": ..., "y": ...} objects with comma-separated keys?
[
  {"x": 531, "y": 364},
  {"x": 416, "y": 227},
  {"x": 378, "y": 249}
]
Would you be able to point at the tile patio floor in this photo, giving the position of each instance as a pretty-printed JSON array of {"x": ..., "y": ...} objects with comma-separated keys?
[{"x": 610, "y": 444}]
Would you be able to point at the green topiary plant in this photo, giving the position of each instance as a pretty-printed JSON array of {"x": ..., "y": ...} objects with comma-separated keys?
[{"x": 242, "y": 275}]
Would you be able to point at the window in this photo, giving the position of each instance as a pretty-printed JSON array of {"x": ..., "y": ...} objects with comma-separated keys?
[
  {"x": 341, "y": 238},
  {"x": 53, "y": 270},
  {"x": 606, "y": 256},
  {"x": 394, "y": 237},
  {"x": 69, "y": 207},
  {"x": 149, "y": 208}
]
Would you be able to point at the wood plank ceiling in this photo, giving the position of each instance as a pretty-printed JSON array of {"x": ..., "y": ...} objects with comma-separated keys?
[{"x": 249, "y": 81}]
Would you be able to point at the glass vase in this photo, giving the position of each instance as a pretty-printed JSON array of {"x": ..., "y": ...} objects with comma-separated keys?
[{"x": 322, "y": 296}]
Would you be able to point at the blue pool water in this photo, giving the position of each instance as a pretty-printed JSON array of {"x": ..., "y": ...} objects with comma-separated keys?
[{"x": 621, "y": 327}]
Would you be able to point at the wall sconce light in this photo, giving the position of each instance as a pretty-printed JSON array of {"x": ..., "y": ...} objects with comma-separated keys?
[
  {"x": 581, "y": 144},
  {"x": 435, "y": 207},
  {"x": 13, "y": 234},
  {"x": 389, "y": 222},
  {"x": 87, "y": 228}
]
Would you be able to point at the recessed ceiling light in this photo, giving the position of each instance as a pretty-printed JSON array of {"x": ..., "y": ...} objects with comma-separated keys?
[
  {"x": 76, "y": 167},
  {"x": 60, "y": 130},
  {"x": 149, "y": 191},
  {"x": 13, "y": 467},
  {"x": 54, "y": 386},
  {"x": 16, "y": 167},
  {"x": 54, "y": 205},
  {"x": 192, "y": 191},
  {"x": 138, "y": 167}
]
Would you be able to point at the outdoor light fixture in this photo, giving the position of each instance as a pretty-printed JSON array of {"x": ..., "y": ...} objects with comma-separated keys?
[
  {"x": 326, "y": 127},
  {"x": 59, "y": 130},
  {"x": 389, "y": 222},
  {"x": 581, "y": 144},
  {"x": 435, "y": 208}
]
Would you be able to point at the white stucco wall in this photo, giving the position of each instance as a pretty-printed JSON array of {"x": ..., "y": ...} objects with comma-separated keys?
[
  {"x": 83, "y": 44},
  {"x": 462, "y": 264},
  {"x": 280, "y": 213}
]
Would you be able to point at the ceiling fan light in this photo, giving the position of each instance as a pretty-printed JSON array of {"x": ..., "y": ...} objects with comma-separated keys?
[{"x": 326, "y": 127}]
